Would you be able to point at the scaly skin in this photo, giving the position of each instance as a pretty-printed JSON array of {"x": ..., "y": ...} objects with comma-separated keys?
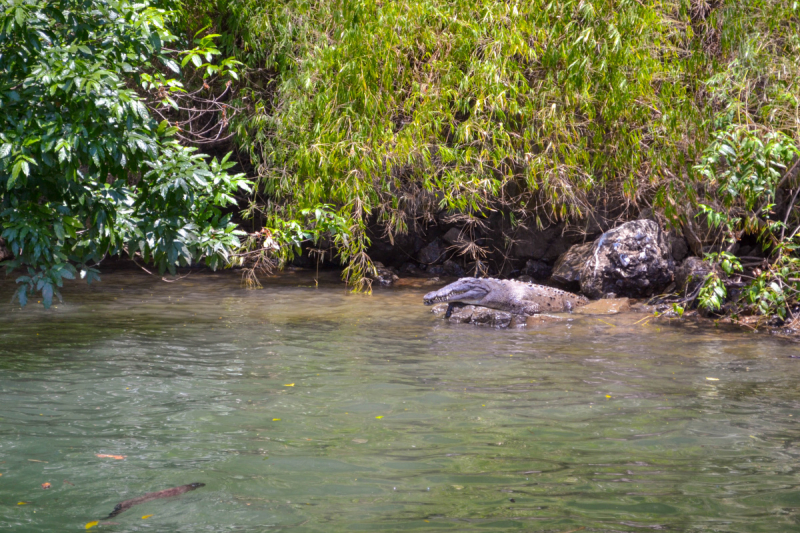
[{"x": 516, "y": 297}]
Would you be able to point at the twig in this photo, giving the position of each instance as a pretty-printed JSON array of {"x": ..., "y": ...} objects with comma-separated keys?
[
  {"x": 789, "y": 210},
  {"x": 163, "y": 278}
]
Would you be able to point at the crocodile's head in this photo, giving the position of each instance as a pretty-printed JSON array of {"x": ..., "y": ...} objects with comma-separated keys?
[{"x": 465, "y": 290}]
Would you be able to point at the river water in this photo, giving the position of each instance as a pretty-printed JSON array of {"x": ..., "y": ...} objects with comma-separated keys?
[{"x": 306, "y": 408}]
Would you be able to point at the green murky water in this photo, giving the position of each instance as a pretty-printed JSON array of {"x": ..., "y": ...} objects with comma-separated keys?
[{"x": 396, "y": 421}]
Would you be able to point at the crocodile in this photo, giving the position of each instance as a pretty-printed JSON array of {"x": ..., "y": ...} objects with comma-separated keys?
[
  {"x": 516, "y": 297},
  {"x": 168, "y": 493}
]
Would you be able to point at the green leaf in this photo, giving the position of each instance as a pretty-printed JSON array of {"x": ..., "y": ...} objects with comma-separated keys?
[
  {"x": 47, "y": 295},
  {"x": 22, "y": 295},
  {"x": 172, "y": 65},
  {"x": 15, "y": 170}
]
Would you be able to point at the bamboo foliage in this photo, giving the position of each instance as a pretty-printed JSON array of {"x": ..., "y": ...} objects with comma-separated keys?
[{"x": 543, "y": 108}]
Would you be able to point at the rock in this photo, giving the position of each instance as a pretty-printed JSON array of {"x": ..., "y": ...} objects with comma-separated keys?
[
  {"x": 435, "y": 270},
  {"x": 543, "y": 320},
  {"x": 631, "y": 260},
  {"x": 451, "y": 268},
  {"x": 547, "y": 243},
  {"x": 678, "y": 246},
  {"x": 409, "y": 268},
  {"x": 453, "y": 236},
  {"x": 537, "y": 269},
  {"x": 569, "y": 266},
  {"x": 480, "y": 316},
  {"x": 483, "y": 316},
  {"x": 605, "y": 306},
  {"x": 433, "y": 253},
  {"x": 383, "y": 275},
  {"x": 691, "y": 273}
]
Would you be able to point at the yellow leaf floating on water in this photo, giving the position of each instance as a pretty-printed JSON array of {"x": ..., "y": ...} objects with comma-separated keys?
[
  {"x": 23, "y": 503},
  {"x": 276, "y": 419},
  {"x": 608, "y": 396},
  {"x": 145, "y": 517},
  {"x": 379, "y": 417},
  {"x": 90, "y": 525},
  {"x": 289, "y": 385},
  {"x": 712, "y": 379}
]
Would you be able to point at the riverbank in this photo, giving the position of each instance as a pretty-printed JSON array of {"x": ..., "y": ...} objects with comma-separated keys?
[{"x": 614, "y": 312}]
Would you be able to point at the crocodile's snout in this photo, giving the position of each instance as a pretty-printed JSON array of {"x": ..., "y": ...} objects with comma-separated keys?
[{"x": 432, "y": 298}]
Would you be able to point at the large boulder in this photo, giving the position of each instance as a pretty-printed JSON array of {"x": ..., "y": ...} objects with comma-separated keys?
[
  {"x": 678, "y": 245},
  {"x": 544, "y": 244},
  {"x": 453, "y": 236},
  {"x": 569, "y": 267},
  {"x": 691, "y": 273},
  {"x": 433, "y": 253},
  {"x": 633, "y": 260},
  {"x": 453, "y": 269}
]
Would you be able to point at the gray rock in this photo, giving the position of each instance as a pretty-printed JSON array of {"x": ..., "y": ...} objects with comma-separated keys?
[
  {"x": 546, "y": 244},
  {"x": 571, "y": 263},
  {"x": 483, "y": 316},
  {"x": 383, "y": 275},
  {"x": 435, "y": 270},
  {"x": 433, "y": 253},
  {"x": 691, "y": 273},
  {"x": 632, "y": 260},
  {"x": 678, "y": 245},
  {"x": 453, "y": 236},
  {"x": 477, "y": 315},
  {"x": 451, "y": 268},
  {"x": 409, "y": 268},
  {"x": 537, "y": 269}
]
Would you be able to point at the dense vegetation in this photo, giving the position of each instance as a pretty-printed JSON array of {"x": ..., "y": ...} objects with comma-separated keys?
[
  {"x": 353, "y": 113},
  {"x": 542, "y": 110},
  {"x": 85, "y": 169}
]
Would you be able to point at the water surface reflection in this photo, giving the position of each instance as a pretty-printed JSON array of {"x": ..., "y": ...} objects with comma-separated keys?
[{"x": 308, "y": 408}]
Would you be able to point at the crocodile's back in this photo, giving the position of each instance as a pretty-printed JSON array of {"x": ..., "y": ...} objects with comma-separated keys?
[
  {"x": 548, "y": 299},
  {"x": 523, "y": 298}
]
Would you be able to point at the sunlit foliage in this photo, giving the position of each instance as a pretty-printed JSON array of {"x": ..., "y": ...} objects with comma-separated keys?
[
  {"x": 85, "y": 171},
  {"x": 544, "y": 110}
]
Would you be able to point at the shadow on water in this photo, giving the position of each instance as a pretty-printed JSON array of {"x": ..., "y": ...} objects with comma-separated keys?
[{"x": 311, "y": 409}]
